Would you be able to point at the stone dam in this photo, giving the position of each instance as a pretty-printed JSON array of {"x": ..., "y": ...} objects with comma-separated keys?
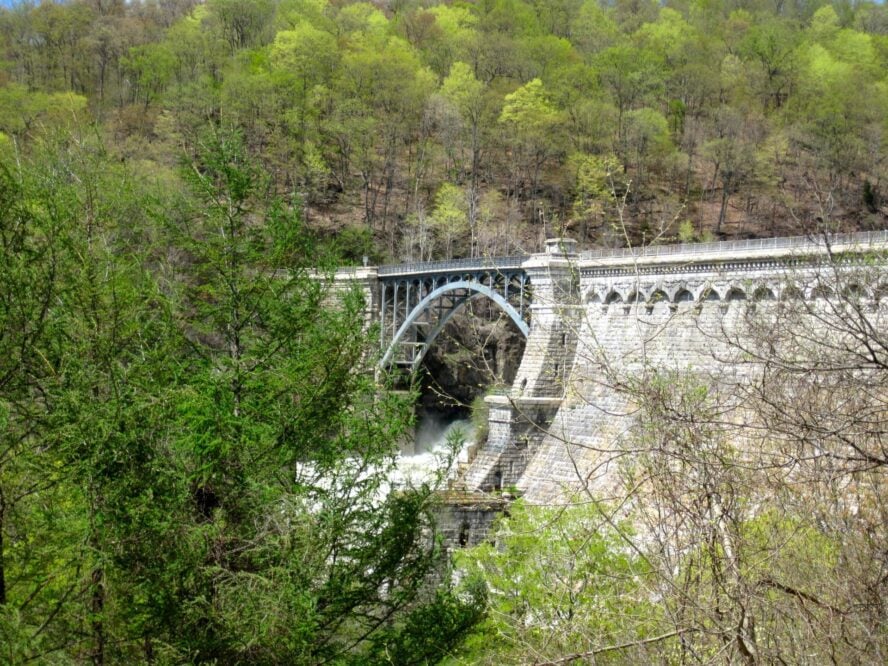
[{"x": 593, "y": 321}]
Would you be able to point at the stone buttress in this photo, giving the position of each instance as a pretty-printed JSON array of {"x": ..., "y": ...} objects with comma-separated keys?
[{"x": 520, "y": 417}]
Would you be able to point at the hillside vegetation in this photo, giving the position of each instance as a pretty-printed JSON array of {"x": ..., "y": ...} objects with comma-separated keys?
[
  {"x": 196, "y": 456},
  {"x": 418, "y": 130}
]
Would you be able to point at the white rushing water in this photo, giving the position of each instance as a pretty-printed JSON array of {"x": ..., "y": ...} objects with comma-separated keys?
[{"x": 432, "y": 450}]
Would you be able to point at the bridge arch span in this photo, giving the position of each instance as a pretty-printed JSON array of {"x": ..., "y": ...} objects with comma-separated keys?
[{"x": 461, "y": 291}]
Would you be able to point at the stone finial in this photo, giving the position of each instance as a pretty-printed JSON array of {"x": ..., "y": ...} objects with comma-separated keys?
[{"x": 561, "y": 246}]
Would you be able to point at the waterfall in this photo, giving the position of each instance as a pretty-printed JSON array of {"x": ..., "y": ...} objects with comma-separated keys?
[{"x": 440, "y": 442}]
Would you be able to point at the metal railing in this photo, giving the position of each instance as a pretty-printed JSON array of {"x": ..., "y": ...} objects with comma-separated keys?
[
  {"x": 861, "y": 238},
  {"x": 453, "y": 264}
]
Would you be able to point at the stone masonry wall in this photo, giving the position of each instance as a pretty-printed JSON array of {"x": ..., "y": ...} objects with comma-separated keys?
[
  {"x": 519, "y": 420},
  {"x": 596, "y": 324},
  {"x": 669, "y": 318}
]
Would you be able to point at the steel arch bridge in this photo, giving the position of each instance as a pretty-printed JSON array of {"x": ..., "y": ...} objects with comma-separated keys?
[{"x": 417, "y": 300}]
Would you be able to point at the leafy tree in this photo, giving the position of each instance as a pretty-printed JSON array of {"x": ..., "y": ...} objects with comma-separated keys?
[
  {"x": 288, "y": 448},
  {"x": 388, "y": 88},
  {"x": 772, "y": 46},
  {"x": 21, "y": 109},
  {"x": 242, "y": 23},
  {"x": 450, "y": 215},
  {"x": 648, "y": 140},
  {"x": 560, "y": 583},
  {"x": 218, "y": 451},
  {"x": 468, "y": 95},
  {"x": 596, "y": 182},
  {"x": 307, "y": 57},
  {"x": 455, "y": 38},
  {"x": 631, "y": 76},
  {"x": 593, "y": 29},
  {"x": 534, "y": 124},
  {"x": 33, "y": 510},
  {"x": 151, "y": 67}
]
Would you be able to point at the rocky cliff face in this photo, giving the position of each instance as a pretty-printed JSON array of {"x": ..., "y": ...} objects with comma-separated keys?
[{"x": 477, "y": 349}]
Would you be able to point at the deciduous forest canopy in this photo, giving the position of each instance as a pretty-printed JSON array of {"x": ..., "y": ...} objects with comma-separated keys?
[
  {"x": 194, "y": 453},
  {"x": 429, "y": 129}
]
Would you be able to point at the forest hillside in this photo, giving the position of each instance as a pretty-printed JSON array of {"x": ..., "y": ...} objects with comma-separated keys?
[
  {"x": 199, "y": 455},
  {"x": 426, "y": 130}
]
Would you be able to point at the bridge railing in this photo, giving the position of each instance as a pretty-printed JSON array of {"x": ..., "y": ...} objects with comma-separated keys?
[
  {"x": 453, "y": 264},
  {"x": 861, "y": 238},
  {"x": 788, "y": 242}
]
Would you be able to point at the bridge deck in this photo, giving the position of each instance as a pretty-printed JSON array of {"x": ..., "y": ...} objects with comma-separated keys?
[
  {"x": 653, "y": 254},
  {"x": 432, "y": 267},
  {"x": 737, "y": 250}
]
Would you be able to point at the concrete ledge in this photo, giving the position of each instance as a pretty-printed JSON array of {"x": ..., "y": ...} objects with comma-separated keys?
[
  {"x": 649, "y": 256},
  {"x": 505, "y": 401},
  {"x": 475, "y": 499}
]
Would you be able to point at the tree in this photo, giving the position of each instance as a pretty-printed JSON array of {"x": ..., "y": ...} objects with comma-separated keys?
[
  {"x": 559, "y": 584},
  {"x": 289, "y": 444},
  {"x": 594, "y": 187},
  {"x": 305, "y": 56},
  {"x": 243, "y": 24},
  {"x": 533, "y": 124},
  {"x": 31, "y": 245},
  {"x": 772, "y": 46},
  {"x": 749, "y": 484},
  {"x": 151, "y": 67},
  {"x": 385, "y": 89},
  {"x": 195, "y": 456},
  {"x": 467, "y": 94},
  {"x": 647, "y": 140},
  {"x": 454, "y": 38},
  {"x": 20, "y": 109},
  {"x": 733, "y": 156},
  {"x": 450, "y": 215}
]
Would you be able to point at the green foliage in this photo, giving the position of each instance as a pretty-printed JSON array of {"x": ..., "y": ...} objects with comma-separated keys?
[
  {"x": 152, "y": 67},
  {"x": 596, "y": 182},
  {"x": 205, "y": 475},
  {"x": 338, "y": 102},
  {"x": 21, "y": 109},
  {"x": 560, "y": 580},
  {"x": 433, "y": 630},
  {"x": 191, "y": 454},
  {"x": 243, "y": 23},
  {"x": 450, "y": 215},
  {"x": 352, "y": 244},
  {"x": 479, "y": 415},
  {"x": 528, "y": 109},
  {"x": 463, "y": 89}
]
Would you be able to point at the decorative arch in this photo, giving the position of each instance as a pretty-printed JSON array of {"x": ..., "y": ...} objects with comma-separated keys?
[
  {"x": 763, "y": 293},
  {"x": 613, "y": 297},
  {"x": 822, "y": 291},
  {"x": 792, "y": 293},
  {"x": 474, "y": 290},
  {"x": 735, "y": 294},
  {"x": 710, "y": 294},
  {"x": 658, "y": 296},
  {"x": 854, "y": 292},
  {"x": 684, "y": 296}
]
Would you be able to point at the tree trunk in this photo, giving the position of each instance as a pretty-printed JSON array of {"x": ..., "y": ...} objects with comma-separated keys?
[
  {"x": 726, "y": 185},
  {"x": 2, "y": 561},
  {"x": 96, "y": 607}
]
